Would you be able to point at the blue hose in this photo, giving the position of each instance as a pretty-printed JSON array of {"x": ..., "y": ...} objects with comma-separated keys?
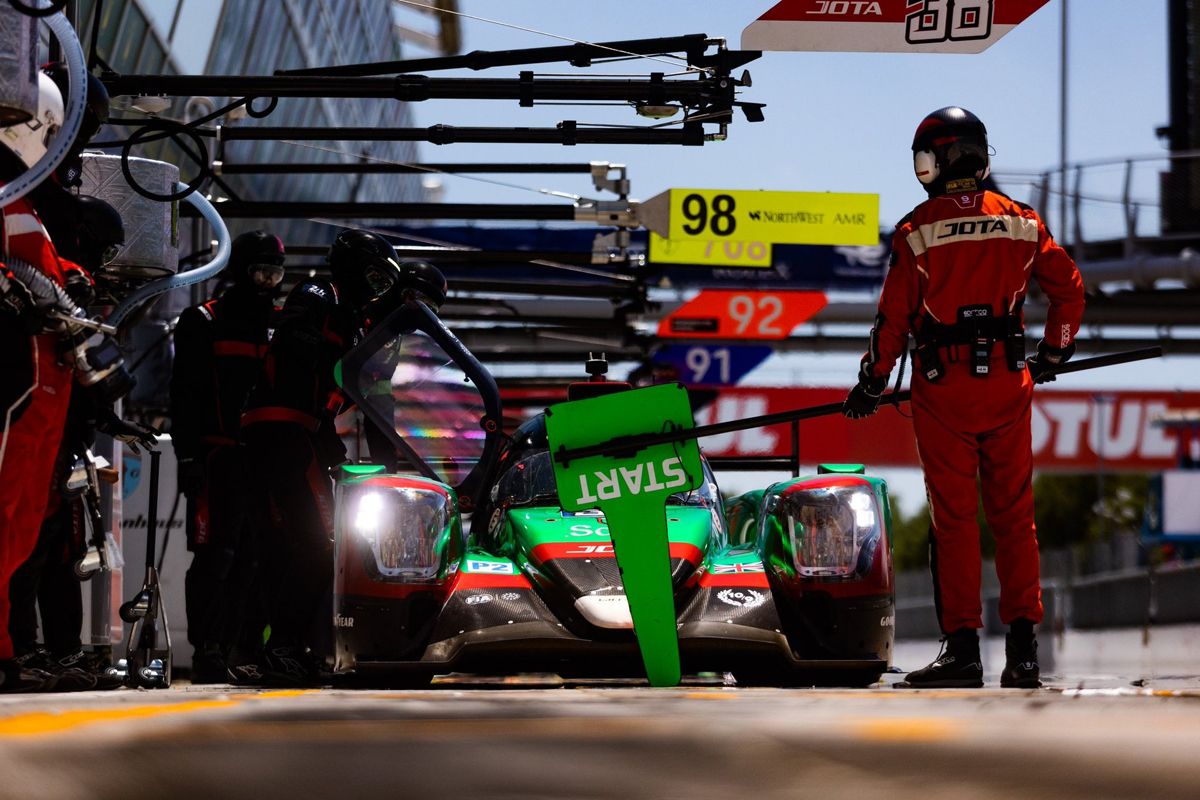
[
  {"x": 218, "y": 263},
  {"x": 74, "y": 104}
]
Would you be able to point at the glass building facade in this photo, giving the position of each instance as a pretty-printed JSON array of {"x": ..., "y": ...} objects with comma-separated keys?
[
  {"x": 249, "y": 37},
  {"x": 256, "y": 37}
]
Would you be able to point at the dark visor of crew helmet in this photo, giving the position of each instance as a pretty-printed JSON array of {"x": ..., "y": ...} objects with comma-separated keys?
[
  {"x": 379, "y": 279},
  {"x": 267, "y": 276}
]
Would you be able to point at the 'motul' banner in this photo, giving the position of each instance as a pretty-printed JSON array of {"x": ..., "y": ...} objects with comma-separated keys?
[{"x": 1072, "y": 430}]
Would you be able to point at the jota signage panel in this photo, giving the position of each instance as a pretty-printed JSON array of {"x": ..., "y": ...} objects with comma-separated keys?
[{"x": 886, "y": 26}]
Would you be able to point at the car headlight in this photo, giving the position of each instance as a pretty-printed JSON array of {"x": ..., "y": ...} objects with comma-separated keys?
[
  {"x": 825, "y": 529},
  {"x": 405, "y": 527}
]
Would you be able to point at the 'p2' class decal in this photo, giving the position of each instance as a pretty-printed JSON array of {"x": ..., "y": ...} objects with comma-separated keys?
[{"x": 491, "y": 567}]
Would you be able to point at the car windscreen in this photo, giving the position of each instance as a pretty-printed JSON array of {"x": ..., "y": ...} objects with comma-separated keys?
[{"x": 433, "y": 404}]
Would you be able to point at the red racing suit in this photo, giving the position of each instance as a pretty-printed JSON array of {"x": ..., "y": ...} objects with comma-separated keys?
[
  {"x": 34, "y": 394},
  {"x": 292, "y": 444},
  {"x": 974, "y": 250},
  {"x": 219, "y": 350}
]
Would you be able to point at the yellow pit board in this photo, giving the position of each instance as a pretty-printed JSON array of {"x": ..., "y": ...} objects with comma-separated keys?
[
  {"x": 710, "y": 252},
  {"x": 831, "y": 218}
]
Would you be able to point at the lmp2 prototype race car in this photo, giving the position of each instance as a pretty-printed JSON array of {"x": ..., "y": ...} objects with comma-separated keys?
[{"x": 790, "y": 585}]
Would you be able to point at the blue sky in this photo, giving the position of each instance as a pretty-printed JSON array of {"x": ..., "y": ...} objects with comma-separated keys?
[{"x": 842, "y": 121}]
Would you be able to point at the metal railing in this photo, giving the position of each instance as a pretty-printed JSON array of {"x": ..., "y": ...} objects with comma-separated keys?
[{"x": 1130, "y": 204}]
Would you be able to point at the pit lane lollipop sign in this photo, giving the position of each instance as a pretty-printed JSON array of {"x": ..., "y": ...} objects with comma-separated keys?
[
  {"x": 886, "y": 26},
  {"x": 631, "y": 491}
]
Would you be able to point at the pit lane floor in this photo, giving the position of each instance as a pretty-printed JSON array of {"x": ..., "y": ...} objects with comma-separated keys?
[{"x": 536, "y": 737}]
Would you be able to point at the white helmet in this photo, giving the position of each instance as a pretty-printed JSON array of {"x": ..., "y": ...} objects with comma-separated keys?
[{"x": 30, "y": 140}]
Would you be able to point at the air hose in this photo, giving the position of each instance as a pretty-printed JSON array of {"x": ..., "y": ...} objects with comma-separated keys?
[
  {"x": 96, "y": 358},
  {"x": 74, "y": 104},
  {"x": 49, "y": 294}
]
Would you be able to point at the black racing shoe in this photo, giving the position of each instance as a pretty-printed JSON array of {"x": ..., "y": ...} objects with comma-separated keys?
[
  {"x": 290, "y": 665},
  {"x": 208, "y": 666},
  {"x": 15, "y": 678},
  {"x": 245, "y": 670},
  {"x": 67, "y": 678},
  {"x": 93, "y": 664},
  {"x": 958, "y": 665},
  {"x": 1021, "y": 669}
]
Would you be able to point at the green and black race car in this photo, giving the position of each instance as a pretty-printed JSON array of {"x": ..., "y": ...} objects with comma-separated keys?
[{"x": 790, "y": 585}]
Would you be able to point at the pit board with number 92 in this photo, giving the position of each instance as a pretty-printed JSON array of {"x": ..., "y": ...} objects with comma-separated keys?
[{"x": 733, "y": 314}]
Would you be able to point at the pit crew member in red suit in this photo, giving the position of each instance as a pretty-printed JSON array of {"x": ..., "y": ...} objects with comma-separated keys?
[
  {"x": 220, "y": 346},
  {"x": 962, "y": 263},
  {"x": 36, "y": 387},
  {"x": 292, "y": 443}
]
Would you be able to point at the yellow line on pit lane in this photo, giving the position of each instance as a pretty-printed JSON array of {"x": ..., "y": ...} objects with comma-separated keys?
[
  {"x": 915, "y": 729},
  {"x": 39, "y": 723}
]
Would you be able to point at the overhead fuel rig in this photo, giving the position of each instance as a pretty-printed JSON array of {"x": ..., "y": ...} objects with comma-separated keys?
[{"x": 694, "y": 104}]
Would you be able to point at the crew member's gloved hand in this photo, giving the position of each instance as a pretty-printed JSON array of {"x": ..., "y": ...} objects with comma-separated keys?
[
  {"x": 1047, "y": 359},
  {"x": 79, "y": 287},
  {"x": 132, "y": 434},
  {"x": 191, "y": 477},
  {"x": 863, "y": 400},
  {"x": 16, "y": 300}
]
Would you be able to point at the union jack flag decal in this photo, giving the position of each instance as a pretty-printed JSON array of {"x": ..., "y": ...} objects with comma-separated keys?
[{"x": 726, "y": 569}]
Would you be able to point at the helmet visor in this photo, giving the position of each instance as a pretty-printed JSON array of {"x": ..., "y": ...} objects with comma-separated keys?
[
  {"x": 266, "y": 276},
  {"x": 379, "y": 280}
]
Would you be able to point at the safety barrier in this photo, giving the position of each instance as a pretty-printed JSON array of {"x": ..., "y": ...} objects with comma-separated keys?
[{"x": 1163, "y": 595}]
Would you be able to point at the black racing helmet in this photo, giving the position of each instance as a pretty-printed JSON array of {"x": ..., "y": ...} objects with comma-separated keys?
[
  {"x": 364, "y": 264},
  {"x": 101, "y": 232},
  {"x": 257, "y": 258},
  {"x": 422, "y": 281},
  {"x": 950, "y": 143}
]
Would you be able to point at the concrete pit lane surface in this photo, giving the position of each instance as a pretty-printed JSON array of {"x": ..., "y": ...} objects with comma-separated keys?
[{"x": 536, "y": 737}]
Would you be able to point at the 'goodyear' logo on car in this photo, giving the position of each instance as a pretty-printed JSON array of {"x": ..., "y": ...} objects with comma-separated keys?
[{"x": 620, "y": 482}]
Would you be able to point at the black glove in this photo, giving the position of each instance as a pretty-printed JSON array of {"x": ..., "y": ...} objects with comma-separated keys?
[
  {"x": 16, "y": 300},
  {"x": 132, "y": 434},
  {"x": 191, "y": 477},
  {"x": 79, "y": 288},
  {"x": 1047, "y": 359},
  {"x": 863, "y": 400}
]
